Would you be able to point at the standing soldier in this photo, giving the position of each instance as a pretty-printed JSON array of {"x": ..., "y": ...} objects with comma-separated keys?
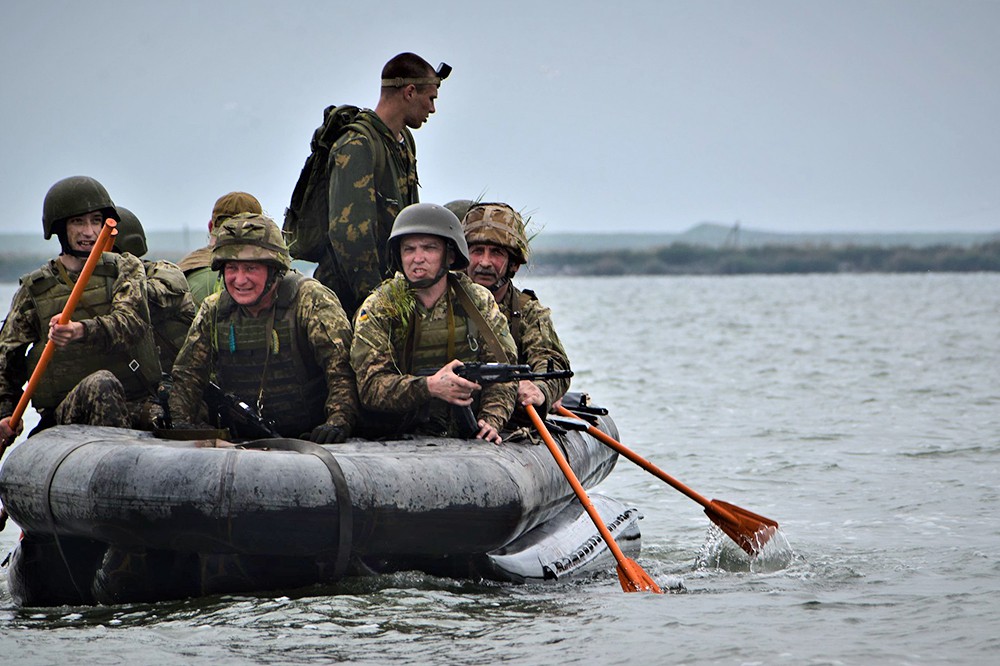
[
  {"x": 171, "y": 309},
  {"x": 197, "y": 266},
  {"x": 427, "y": 317},
  {"x": 373, "y": 175},
  {"x": 276, "y": 339},
  {"x": 498, "y": 247},
  {"x": 105, "y": 369}
]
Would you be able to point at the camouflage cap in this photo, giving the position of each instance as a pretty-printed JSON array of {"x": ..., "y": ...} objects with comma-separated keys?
[
  {"x": 497, "y": 224},
  {"x": 250, "y": 237},
  {"x": 232, "y": 204}
]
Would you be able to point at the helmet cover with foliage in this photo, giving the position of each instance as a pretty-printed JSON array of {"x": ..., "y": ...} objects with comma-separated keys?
[
  {"x": 460, "y": 207},
  {"x": 433, "y": 220},
  {"x": 250, "y": 237},
  {"x": 76, "y": 195},
  {"x": 131, "y": 238},
  {"x": 497, "y": 224}
]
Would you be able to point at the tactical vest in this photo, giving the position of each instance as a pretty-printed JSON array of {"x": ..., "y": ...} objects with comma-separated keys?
[
  {"x": 137, "y": 367},
  {"x": 266, "y": 361},
  {"x": 513, "y": 308}
]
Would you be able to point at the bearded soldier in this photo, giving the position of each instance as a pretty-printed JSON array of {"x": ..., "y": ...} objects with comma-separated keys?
[
  {"x": 273, "y": 337},
  {"x": 429, "y": 318},
  {"x": 171, "y": 309},
  {"x": 105, "y": 368},
  {"x": 498, "y": 247}
]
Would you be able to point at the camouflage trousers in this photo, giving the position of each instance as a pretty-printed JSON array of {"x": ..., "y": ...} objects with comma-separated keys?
[{"x": 99, "y": 399}]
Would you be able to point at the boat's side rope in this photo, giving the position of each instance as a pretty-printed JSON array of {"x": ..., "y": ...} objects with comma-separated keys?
[{"x": 344, "y": 508}]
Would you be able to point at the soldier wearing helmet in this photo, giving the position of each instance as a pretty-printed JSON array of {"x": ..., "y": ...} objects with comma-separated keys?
[
  {"x": 498, "y": 247},
  {"x": 273, "y": 337},
  {"x": 106, "y": 369},
  {"x": 197, "y": 266},
  {"x": 171, "y": 309},
  {"x": 373, "y": 175},
  {"x": 429, "y": 316}
]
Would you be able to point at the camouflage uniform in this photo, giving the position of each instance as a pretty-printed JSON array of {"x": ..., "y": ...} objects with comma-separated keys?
[
  {"x": 109, "y": 339},
  {"x": 363, "y": 203},
  {"x": 295, "y": 354},
  {"x": 171, "y": 308},
  {"x": 536, "y": 340},
  {"x": 387, "y": 384},
  {"x": 202, "y": 280}
]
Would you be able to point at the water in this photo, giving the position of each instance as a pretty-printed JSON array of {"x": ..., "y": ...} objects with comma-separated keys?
[{"x": 861, "y": 412}]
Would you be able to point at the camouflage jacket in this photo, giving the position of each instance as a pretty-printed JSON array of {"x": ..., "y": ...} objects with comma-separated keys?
[
  {"x": 363, "y": 204},
  {"x": 380, "y": 335},
  {"x": 123, "y": 327},
  {"x": 536, "y": 340},
  {"x": 327, "y": 334},
  {"x": 171, "y": 308}
]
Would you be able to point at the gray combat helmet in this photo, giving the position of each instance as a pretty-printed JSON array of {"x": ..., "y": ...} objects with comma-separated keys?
[
  {"x": 131, "y": 238},
  {"x": 73, "y": 196},
  {"x": 460, "y": 207},
  {"x": 433, "y": 220}
]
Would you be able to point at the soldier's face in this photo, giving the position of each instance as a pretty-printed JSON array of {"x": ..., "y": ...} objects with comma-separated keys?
[
  {"x": 82, "y": 230},
  {"x": 487, "y": 264},
  {"x": 422, "y": 256},
  {"x": 245, "y": 280},
  {"x": 421, "y": 105}
]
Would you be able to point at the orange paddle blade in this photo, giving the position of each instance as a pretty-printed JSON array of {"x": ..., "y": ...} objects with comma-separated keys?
[
  {"x": 634, "y": 578},
  {"x": 749, "y": 530}
]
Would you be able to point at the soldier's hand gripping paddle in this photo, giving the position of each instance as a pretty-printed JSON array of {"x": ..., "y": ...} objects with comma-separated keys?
[
  {"x": 104, "y": 242},
  {"x": 631, "y": 576},
  {"x": 749, "y": 530}
]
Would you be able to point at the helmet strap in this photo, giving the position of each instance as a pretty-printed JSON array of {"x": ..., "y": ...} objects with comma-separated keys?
[{"x": 427, "y": 282}]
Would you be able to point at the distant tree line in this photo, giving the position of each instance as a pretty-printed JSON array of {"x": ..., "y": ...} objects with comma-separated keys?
[{"x": 687, "y": 259}]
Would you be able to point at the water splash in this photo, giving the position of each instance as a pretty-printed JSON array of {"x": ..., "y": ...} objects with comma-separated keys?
[{"x": 721, "y": 552}]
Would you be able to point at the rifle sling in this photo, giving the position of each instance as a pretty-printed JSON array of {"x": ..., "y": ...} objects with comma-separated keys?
[{"x": 480, "y": 321}]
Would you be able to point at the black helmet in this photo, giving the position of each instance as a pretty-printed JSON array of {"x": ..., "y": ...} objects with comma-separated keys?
[
  {"x": 72, "y": 196},
  {"x": 433, "y": 220},
  {"x": 131, "y": 238}
]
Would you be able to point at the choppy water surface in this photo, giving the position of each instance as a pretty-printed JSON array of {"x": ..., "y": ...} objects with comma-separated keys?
[{"x": 861, "y": 412}]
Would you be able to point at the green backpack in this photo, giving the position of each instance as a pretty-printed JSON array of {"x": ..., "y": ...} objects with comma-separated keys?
[{"x": 307, "y": 216}]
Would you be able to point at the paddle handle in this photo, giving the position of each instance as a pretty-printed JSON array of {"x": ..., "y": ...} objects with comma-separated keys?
[
  {"x": 624, "y": 563},
  {"x": 637, "y": 459},
  {"x": 104, "y": 242}
]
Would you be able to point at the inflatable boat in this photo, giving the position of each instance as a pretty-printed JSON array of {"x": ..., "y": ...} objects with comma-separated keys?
[{"x": 118, "y": 516}]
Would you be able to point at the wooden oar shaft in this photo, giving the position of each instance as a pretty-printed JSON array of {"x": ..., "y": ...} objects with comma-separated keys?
[
  {"x": 637, "y": 459},
  {"x": 581, "y": 494},
  {"x": 81, "y": 283}
]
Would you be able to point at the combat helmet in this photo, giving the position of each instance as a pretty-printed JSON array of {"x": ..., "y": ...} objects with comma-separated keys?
[
  {"x": 460, "y": 207},
  {"x": 250, "y": 237},
  {"x": 497, "y": 224},
  {"x": 433, "y": 220},
  {"x": 131, "y": 238},
  {"x": 73, "y": 196}
]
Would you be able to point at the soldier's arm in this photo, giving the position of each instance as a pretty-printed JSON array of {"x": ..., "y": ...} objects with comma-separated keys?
[
  {"x": 168, "y": 291},
  {"x": 540, "y": 343},
  {"x": 17, "y": 335},
  {"x": 354, "y": 212},
  {"x": 127, "y": 322},
  {"x": 329, "y": 334},
  {"x": 381, "y": 386},
  {"x": 194, "y": 364}
]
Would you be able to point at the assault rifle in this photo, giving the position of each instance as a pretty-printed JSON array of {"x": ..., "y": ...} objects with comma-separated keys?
[
  {"x": 485, "y": 374},
  {"x": 233, "y": 413}
]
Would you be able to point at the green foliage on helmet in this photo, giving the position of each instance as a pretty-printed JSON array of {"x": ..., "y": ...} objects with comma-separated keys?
[
  {"x": 250, "y": 237},
  {"x": 497, "y": 224},
  {"x": 433, "y": 220},
  {"x": 131, "y": 237},
  {"x": 76, "y": 195}
]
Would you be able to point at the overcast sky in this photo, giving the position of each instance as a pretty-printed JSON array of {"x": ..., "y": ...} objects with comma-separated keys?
[{"x": 593, "y": 116}]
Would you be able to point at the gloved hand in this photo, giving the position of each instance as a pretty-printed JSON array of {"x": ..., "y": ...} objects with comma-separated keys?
[{"x": 328, "y": 434}]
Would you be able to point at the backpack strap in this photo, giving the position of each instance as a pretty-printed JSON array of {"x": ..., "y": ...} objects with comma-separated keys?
[{"x": 477, "y": 318}]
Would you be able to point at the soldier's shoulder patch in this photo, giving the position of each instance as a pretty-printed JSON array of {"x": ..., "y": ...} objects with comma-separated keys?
[{"x": 363, "y": 315}]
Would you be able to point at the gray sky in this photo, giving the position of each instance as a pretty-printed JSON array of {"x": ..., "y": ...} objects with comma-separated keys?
[{"x": 593, "y": 116}]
